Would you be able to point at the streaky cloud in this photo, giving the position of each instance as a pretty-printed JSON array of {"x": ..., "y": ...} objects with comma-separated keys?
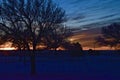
[{"x": 96, "y": 12}]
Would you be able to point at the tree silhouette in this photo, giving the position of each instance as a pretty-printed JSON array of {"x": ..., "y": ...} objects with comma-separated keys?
[
  {"x": 26, "y": 22},
  {"x": 57, "y": 36},
  {"x": 110, "y": 35},
  {"x": 77, "y": 46},
  {"x": 74, "y": 48}
]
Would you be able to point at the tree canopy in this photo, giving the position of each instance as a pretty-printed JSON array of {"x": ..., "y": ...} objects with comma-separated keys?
[
  {"x": 28, "y": 23},
  {"x": 110, "y": 36}
]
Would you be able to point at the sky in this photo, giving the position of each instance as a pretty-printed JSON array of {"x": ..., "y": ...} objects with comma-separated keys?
[
  {"x": 87, "y": 17},
  {"x": 90, "y": 13}
]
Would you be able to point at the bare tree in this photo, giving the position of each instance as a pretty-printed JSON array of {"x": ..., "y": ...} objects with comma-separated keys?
[
  {"x": 57, "y": 36},
  {"x": 25, "y": 22},
  {"x": 110, "y": 35}
]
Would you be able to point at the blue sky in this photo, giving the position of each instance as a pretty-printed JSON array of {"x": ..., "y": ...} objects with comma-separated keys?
[{"x": 90, "y": 13}]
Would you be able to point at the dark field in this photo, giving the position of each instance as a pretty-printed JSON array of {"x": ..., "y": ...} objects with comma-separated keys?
[{"x": 60, "y": 65}]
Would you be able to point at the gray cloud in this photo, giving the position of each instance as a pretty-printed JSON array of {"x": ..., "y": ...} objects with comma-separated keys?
[
  {"x": 78, "y": 17},
  {"x": 108, "y": 16},
  {"x": 94, "y": 13}
]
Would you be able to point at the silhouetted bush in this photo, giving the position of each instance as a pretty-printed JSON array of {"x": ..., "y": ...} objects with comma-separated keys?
[
  {"x": 90, "y": 51},
  {"x": 76, "y": 49}
]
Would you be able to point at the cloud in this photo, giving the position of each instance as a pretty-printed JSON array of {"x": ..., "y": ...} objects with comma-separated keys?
[
  {"x": 78, "y": 17},
  {"x": 87, "y": 14},
  {"x": 76, "y": 1},
  {"x": 108, "y": 16},
  {"x": 86, "y": 37}
]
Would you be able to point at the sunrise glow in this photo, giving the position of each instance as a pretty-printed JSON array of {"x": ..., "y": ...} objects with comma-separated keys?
[
  {"x": 7, "y": 46},
  {"x": 12, "y": 48}
]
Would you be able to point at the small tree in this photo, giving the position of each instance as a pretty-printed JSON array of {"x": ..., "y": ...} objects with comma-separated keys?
[
  {"x": 57, "y": 36},
  {"x": 110, "y": 36}
]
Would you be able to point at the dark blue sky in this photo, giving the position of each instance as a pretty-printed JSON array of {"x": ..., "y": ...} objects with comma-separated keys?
[{"x": 90, "y": 13}]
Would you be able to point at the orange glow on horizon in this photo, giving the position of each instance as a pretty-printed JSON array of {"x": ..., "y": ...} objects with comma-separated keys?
[
  {"x": 60, "y": 48},
  {"x": 7, "y": 46},
  {"x": 10, "y": 48},
  {"x": 98, "y": 48}
]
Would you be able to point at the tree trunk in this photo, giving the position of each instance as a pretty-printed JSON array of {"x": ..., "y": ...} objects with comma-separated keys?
[
  {"x": 33, "y": 62},
  {"x": 33, "y": 65}
]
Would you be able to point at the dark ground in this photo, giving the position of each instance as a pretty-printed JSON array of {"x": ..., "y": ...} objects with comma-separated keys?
[{"x": 104, "y": 65}]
